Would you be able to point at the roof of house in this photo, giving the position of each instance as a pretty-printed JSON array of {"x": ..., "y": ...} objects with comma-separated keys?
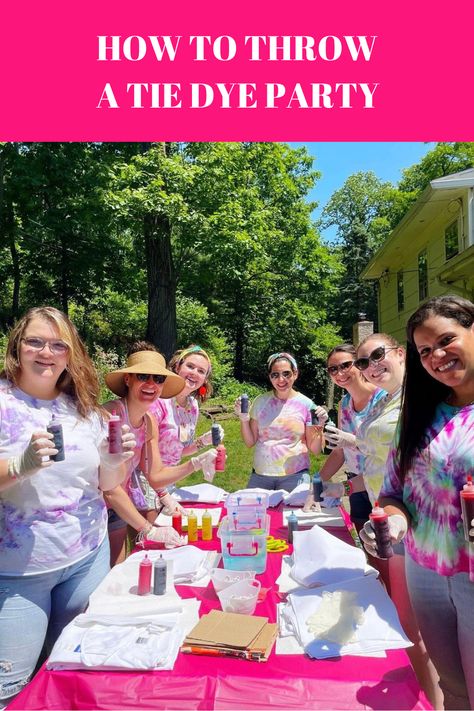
[{"x": 428, "y": 205}]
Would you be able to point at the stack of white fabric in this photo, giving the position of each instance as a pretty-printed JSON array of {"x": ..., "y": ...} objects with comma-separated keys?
[
  {"x": 336, "y": 605},
  {"x": 353, "y": 617},
  {"x": 124, "y": 630},
  {"x": 200, "y": 493}
]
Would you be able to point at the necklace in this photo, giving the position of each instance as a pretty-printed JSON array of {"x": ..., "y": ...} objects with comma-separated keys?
[{"x": 185, "y": 421}]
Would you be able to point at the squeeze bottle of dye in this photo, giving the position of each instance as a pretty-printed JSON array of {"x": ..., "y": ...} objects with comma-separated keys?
[
  {"x": 292, "y": 526},
  {"x": 314, "y": 417},
  {"x": 144, "y": 576},
  {"x": 328, "y": 450},
  {"x": 206, "y": 526},
  {"x": 159, "y": 576},
  {"x": 221, "y": 451},
  {"x": 56, "y": 429},
  {"x": 379, "y": 521},
  {"x": 467, "y": 508},
  {"x": 244, "y": 403},
  {"x": 192, "y": 527},
  {"x": 115, "y": 434},
  {"x": 317, "y": 487},
  {"x": 177, "y": 522}
]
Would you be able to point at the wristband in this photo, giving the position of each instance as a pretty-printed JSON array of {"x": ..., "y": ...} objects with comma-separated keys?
[
  {"x": 347, "y": 487},
  {"x": 199, "y": 443}
]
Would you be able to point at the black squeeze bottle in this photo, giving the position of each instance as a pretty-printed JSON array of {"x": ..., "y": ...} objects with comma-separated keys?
[{"x": 56, "y": 429}]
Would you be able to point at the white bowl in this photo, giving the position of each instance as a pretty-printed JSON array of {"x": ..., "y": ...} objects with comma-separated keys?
[
  {"x": 240, "y": 597},
  {"x": 222, "y": 578}
]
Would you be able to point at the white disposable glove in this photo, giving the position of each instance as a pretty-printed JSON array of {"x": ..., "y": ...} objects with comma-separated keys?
[
  {"x": 338, "y": 438},
  {"x": 243, "y": 416},
  {"x": 332, "y": 491},
  {"x": 471, "y": 530},
  {"x": 207, "y": 462},
  {"x": 322, "y": 415},
  {"x": 397, "y": 528},
  {"x": 115, "y": 460},
  {"x": 170, "y": 505},
  {"x": 166, "y": 535},
  {"x": 206, "y": 438},
  {"x": 32, "y": 459}
]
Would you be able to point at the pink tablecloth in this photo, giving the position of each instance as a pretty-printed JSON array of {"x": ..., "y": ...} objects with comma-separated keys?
[{"x": 284, "y": 682}]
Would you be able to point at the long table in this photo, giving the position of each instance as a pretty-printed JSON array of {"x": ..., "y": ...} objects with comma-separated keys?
[{"x": 199, "y": 682}]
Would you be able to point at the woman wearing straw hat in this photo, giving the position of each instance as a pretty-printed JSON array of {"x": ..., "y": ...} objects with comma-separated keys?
[{"x": 144, "y": 379}]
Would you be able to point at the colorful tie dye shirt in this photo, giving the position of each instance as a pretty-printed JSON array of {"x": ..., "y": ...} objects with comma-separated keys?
[
  {"x": 176, "y": 427},
  {"x": 56, "y": 516},
  {"x": 349, "y": 420},
  {"x": 435, "y": 539},
  {"x": 281, "y": 448},
  {"x": 374, "y": 439}
]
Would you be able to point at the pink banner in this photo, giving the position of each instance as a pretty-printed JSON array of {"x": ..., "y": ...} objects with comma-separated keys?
[{"x": 211, "y": 71}]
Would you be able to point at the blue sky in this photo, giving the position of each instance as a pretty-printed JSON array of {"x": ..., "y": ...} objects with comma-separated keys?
[{"x": 336, "y": 161}]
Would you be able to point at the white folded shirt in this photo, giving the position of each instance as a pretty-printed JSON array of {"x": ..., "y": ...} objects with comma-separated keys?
[
  {"x": 321, "y": 558},
  {"x": 205, "y": 493},
  {"x": 352, "y": 617}
]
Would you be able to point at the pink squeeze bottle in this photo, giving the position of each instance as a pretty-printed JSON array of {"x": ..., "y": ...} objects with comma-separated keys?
[
  {"x": 467, "y": 508},
  {"x": 115, "y": 434}
]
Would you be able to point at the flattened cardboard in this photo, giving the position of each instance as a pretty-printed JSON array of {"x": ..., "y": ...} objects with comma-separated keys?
[{"x": 226, "y": 629}]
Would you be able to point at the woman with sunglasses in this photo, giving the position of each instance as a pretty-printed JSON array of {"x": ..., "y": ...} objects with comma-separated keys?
[
  {"x": 279, "y": 427},
  {"x": 356, "y": 405},
  {"x": 426, "y": 470},
  {"x": 54, "y": 549},
  {"x": 382, "y": 361},
  {"x": 177, "y": 417},
  {"x": 139, "y": 385}
]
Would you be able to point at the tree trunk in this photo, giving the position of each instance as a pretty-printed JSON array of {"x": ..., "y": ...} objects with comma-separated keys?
[{"x": 161, "y": 278}]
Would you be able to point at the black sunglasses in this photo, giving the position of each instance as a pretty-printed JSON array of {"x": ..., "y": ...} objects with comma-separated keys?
[
  {"x": 159, "y": 379},
  {"x": 335, "y": 369},
  {"x": 375, "y": 357}
]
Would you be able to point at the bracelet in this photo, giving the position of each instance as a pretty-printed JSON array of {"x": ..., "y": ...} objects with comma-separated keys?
[
  {"x": 199, "y": 443},
  {"x": 347, "y": 487}
]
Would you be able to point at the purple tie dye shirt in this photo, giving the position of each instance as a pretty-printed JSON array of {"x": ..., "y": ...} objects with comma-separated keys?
[{"x": 435, "y": 539}]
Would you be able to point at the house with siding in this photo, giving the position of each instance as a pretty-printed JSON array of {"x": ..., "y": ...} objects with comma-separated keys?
[{"x": 429, "y": 253}]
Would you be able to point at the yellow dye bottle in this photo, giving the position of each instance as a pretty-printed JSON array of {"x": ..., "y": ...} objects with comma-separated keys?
[
  {"x": 206, "y": 526},
  {"x": 192, "y": 527}
]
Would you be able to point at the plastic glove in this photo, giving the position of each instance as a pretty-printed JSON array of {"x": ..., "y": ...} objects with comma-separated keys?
[
  {"x": 170, "y": 505},
  {"x": 338, "y": 438},
  {"x": 206, "y": 438},
  {"x": 207, "y": 462},
  {"x": 166, "y": 535},
  {"x": 113, "y": 461},
  {"x": 332, "y": 491},
  {"x": 471, "y": 530},
  {"x": 311, "y": 505},
  {"x": 397, "y": 527},
  {"x": 243, "y": 416},
  {"x": 322, "y": 415},
  {"x": 32, "y": 459}
]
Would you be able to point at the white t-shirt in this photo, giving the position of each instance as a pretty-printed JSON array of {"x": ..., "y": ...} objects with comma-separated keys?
[{"x": 57, "y": 516}]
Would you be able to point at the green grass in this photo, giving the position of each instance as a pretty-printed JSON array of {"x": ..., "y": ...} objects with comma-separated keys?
[{"x": 239, "y": 458}]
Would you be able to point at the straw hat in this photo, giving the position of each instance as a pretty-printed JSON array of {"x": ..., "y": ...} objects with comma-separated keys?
[{"x": 146, "y": 362}]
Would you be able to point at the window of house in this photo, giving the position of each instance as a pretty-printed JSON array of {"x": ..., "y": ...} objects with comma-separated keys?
[
  {"x": 451, "y": 240},
  {"x": 422, "y": 275},
  {"x": 400, "y": 291}
]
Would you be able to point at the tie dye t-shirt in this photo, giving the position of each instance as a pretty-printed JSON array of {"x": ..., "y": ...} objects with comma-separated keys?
[
  {"x": 349, "y": 421},
  {"x": 176, "y": 427},
  {"x": 57, "y": 516},
  {"x": 281, "y": 448},
  {"x": 374, "y": 439},
  {"x": 435, "y": 539}
]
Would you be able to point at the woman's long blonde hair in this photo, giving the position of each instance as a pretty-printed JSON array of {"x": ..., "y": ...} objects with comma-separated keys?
[{"x": 79, "y": 379}]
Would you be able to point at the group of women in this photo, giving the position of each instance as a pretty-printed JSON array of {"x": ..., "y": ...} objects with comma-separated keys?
[
  {"x": 405, "y": 437},
  {"x": 56, "y": 514}
]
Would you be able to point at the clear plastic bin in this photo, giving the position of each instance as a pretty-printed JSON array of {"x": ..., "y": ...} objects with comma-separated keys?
[
  {"x": 246, "y": 510},
  {"x": 244, "y": 549}
]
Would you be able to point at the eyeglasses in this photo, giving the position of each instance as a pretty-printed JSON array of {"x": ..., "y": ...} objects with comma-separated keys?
[
  {"x": 37, "y": 344},
  {"x": 335, "y": 369},
  {"x": 159, "y": 379},
  {"x": 287, "y": 374},
  {"x": 375, "y": 357}
]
